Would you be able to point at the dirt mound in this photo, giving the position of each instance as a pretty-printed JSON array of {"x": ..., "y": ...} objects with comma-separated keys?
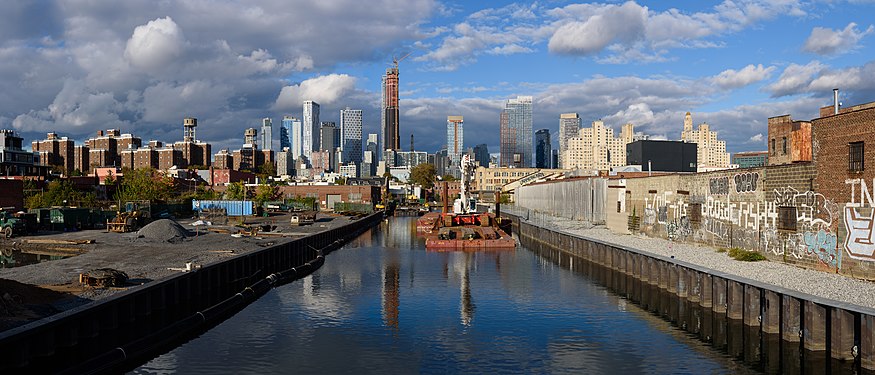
[
  {"x": 22, "y": 303},
  {"x": 163, "y": 230}
]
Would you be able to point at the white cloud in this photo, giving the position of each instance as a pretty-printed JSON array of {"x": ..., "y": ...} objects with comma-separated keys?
[
  {"x": 795, "y": 78},
  {"x": 611, "y": 24},
  {"x": 155, "y": 44},
  {"x": 326, "y": 90},
  {"x": 509, "y": 49},
  {"x": 469, "y": 40},
  {"x": 730, "y": 78},
  {"x": 823, "y": 41},
  {"x": 756, "y": 138},
  {"x": 75, "y": 108}
]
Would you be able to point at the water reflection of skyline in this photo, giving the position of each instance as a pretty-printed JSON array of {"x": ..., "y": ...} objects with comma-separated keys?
[{"x": 385, "y": 304}]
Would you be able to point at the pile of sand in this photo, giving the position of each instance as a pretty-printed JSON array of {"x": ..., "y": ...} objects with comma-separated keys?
[{"x": 163, "y": 230}]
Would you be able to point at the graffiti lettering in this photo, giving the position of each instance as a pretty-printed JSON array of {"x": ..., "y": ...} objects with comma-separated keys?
[
  {"x": 719, "y": 186},
  {"x": 753, "y": 215},
  {"x": 823, "y": 245},
  {"x": 813, "y": 211},
  {"x": 865, "y": 195},
  {"x": 859, "y": 241},
  {"x": 746, "y": 182},
  {"x": 679, "y": 228}
]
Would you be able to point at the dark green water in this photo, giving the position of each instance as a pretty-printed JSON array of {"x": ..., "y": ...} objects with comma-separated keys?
[{"x": 383, "y": 304}]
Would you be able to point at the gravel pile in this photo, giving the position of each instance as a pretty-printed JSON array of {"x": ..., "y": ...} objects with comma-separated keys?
[
  {"x": 817, "y": 283},
  {"x": 163, "y": 230}
]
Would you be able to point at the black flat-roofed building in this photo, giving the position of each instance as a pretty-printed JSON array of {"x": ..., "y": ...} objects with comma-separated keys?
[{"x": 662, "y": 156}]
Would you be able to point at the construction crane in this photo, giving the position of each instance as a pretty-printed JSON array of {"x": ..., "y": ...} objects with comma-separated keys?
[{"x": 395, "y": 61}]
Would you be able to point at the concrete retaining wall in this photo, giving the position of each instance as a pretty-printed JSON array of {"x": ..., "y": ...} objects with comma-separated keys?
[
  {"x": 117, "y": 331},
  {"x": 770, "y": 328}
]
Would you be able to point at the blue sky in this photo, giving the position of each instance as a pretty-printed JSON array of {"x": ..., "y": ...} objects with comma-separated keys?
[{"x": 77, "y": 66}]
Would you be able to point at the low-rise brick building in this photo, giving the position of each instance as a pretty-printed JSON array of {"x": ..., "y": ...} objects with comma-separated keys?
[
  {"x": 789, "y": 141},
  {"x": 845, "y": 155},
  {"x": 13, "y": 193}
]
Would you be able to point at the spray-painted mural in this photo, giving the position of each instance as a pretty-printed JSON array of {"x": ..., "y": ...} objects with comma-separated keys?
[
  {"x": 732, "y": 211},
  {"x": 859, "y": 219},
  {"x": 814, "y": 222},
  {"x": 746, "y": 182}
]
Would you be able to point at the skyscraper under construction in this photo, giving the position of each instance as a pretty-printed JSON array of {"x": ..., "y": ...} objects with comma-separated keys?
[
  {"x": 389, "y": 125},
  {"x": 389, "y": 129}
]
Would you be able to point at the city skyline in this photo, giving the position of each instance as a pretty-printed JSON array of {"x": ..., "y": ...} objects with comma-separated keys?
[{"x": 734, "y": 65}]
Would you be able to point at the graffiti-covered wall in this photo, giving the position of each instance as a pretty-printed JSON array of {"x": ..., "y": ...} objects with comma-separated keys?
[
  {"x": 773, "y": 210},
  {"x": 844, "y": 151}
]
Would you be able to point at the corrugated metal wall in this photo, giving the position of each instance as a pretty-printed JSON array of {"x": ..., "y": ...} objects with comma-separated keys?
[
  {"x": 582, "y": 200},
  {"x": 232, "y": 208}
]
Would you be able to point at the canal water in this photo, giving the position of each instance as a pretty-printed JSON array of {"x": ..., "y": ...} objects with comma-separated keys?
[{"x": 384, "y": 304}]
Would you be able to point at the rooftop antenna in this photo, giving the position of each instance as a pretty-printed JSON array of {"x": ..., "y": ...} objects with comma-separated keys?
[{"x": 411, "y": 142}]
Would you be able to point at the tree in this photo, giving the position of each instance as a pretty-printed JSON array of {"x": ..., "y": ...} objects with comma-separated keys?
[
  {"x": 109, "y": 179},
  {"x": 449, "y": 177},
  {"x": 205, "y": 193},
  {"x": 265, "y": 193},
  {"x": 61, "y": 193},
  {"x": 423, "y": 175},
  {"x": 236, "y": 191},
  {"x": 266, "y": 170},
  {"x": 58, "y": 169},
  {"x": 144, "y": 184}
]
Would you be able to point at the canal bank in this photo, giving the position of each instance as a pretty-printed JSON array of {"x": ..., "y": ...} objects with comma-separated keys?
[
  {"x": 385, "y": 304},
  {"x": 776, "y": 329},
  {"x": 132, "y": 324}
]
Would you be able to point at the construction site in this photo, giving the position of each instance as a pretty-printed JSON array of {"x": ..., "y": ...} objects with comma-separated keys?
[{"x": 49, "y": 271}]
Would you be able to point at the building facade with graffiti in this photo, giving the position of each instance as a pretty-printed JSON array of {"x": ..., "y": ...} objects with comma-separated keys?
[{"x": 817, "y": 214}]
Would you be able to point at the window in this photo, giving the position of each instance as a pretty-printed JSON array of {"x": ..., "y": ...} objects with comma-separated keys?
[
  {"x": 787, "y": 218},
  {"x": 855, "y": 157},
  {"x": 784, "y": 146},
  {"x": 694, "y": 213},
  {"x": 773, "y": 146}
]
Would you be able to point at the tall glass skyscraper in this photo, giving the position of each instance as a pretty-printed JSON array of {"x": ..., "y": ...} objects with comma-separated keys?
[
  {"x": 481, "y": 155},
  {"x": 543, "y": 149},
  {"x": 455, "y": 139},
  {"x": 310, "y": 134},
  {"x": 291, "y": 136},
  {"x": 351, "y": 135},
  {"x": 266, "y": 134},
  {"x": 285, "y": 129},
  {"x": 516, "y": 133}
]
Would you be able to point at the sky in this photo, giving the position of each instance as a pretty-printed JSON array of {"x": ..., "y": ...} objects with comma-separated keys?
[{"x": 76, "y": 66}]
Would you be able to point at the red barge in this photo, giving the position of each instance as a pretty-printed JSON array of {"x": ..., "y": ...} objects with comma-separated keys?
[{"x": 464, "y": 229}]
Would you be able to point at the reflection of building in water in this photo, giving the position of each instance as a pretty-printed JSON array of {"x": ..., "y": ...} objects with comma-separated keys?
[
  {"x": 391, "y": 280},
  {"x": 466, "y": 304},
  {"x": 400, "y": 233}
]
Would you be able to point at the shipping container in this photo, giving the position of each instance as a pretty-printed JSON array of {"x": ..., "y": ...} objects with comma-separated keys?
[
  {"x": 232, "y": 208},
  {"x": 69, "y": 218}
]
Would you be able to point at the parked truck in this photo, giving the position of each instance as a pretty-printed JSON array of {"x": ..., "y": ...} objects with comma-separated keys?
[{"x": 11, "y": 225}]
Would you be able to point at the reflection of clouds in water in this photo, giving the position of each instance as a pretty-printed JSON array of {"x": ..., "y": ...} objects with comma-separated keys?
[
  {"x": 321, "y": 304},
  {"x": 578, "y": 355}
]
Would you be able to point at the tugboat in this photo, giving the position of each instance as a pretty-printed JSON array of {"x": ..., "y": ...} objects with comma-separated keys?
[{"x": 464, "y": 228}]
